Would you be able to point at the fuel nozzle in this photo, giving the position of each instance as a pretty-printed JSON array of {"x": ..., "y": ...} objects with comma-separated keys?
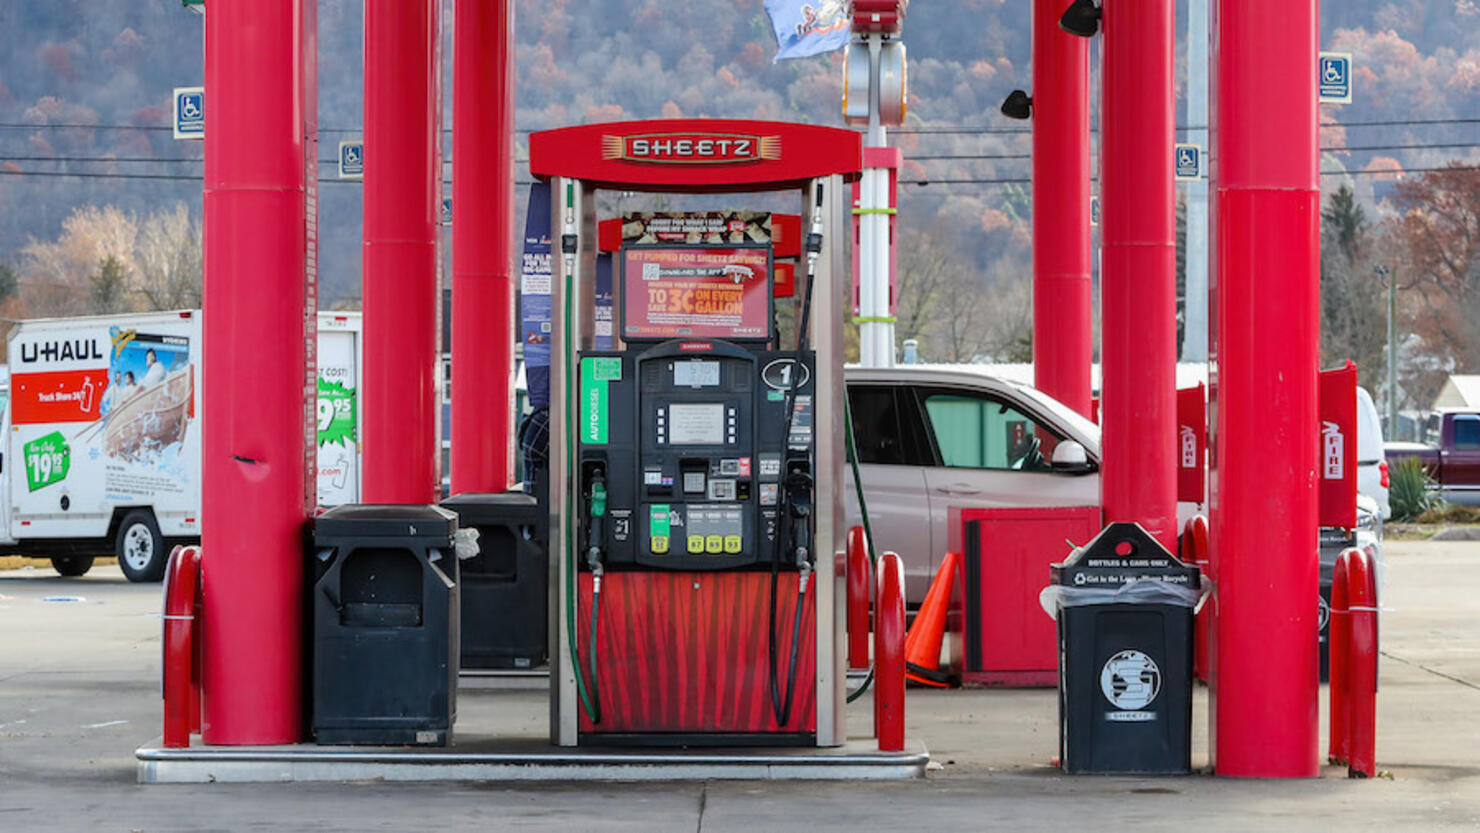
[
  {"x": 596, "y": 515},
  {"x": 799, "y": 510}
]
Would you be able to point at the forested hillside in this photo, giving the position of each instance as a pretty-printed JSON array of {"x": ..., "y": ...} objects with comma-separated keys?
[{"x": 85, "y": 85}]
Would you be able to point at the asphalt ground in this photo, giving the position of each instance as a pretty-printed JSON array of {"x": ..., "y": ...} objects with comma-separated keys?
[{"x": 79, "y": 692}]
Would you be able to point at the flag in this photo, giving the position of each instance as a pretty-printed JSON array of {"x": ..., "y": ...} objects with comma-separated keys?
[{"x": 808, "y": 27}]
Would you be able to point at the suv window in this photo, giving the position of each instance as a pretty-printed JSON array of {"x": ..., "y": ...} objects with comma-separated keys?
[
  {"x": 981, "y": 432},
  {"x": 1467, "y": 433},
  {"x": 876, "y": 429}
]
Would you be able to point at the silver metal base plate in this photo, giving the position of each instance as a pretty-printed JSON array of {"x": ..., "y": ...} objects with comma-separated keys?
[{"x": 521, "y": 760}]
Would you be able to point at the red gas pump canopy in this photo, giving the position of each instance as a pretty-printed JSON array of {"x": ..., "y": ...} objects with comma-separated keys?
[{"x": 708, "y": 154}]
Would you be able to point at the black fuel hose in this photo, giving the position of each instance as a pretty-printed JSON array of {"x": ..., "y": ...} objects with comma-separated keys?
[{"x": 781, "y": 704}]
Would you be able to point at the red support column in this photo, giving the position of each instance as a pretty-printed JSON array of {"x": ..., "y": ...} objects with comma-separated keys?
[
  {"x": 483, "y": 332},
  {"x": 403, "y": 201},
  {"x": 1062, "y": 317},
  {"x": 1138, "y": 304},
  {"x": 257, "y": 478},
  {"x": 1267, "y": 210}
]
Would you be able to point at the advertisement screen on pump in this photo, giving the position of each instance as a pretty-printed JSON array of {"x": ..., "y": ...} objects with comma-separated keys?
[
  {"x": 696, "y": 291},
  {"x": 105, "y": 414}
]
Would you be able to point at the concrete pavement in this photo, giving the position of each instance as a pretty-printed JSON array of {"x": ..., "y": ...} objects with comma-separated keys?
[{"x": 79, "y": 692}]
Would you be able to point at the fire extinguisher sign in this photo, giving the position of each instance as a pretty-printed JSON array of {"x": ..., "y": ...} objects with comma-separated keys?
[{"x": 1337, "y": 464}]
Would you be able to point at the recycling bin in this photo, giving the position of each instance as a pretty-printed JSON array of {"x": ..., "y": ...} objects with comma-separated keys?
[
  {"x": 503, "y": 587},
  {"x": 384, "y": 647},
  {"x": 1124, "y": 607}
]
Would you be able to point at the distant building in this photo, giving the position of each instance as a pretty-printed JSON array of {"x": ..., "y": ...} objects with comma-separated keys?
[{"x": 1459, "y": 392}]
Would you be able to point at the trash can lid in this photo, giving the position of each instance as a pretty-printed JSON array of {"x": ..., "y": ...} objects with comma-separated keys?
[
  {"x": 494, "y": 507},
  {"x": 1120, "y": 554},
  {"x": 386, "y": 520}
]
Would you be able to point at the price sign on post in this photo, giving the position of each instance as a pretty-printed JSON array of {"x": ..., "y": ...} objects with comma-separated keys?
[{"x": 1334, "y": 77}]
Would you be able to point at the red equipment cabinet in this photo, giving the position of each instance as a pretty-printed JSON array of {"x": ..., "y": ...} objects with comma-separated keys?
[{"x": 1000, "y": 635}]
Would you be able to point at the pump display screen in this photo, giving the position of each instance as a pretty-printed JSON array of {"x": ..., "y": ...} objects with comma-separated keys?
[
  {"x": 696, "y": 292},
  {"x": 696, "y": 424},
  {"x": 696, "y": 374}
]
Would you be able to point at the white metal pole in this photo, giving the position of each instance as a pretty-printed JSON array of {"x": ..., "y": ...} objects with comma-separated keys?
[{"x": 1195, "y": 331}]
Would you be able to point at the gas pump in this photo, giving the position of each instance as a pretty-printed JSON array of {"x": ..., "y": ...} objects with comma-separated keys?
[{"x": 696, "y": 468}]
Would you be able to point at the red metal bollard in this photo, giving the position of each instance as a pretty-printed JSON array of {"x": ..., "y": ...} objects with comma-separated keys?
[
  {"x": 196, "y": 643},
  {"x": 1338, "y": 635},
  {"x": 889, "y": 655},
  {"x": 860, "y": 581},
  {"x": 1361, "y": 667},
  {"x": 181, "y": 693},
  {"x": 1195, "y": 550}
]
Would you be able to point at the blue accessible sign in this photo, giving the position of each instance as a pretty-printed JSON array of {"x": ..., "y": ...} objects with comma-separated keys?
[
  {"x": 190, "y": 112},
  {"x": 1188, "y": 160},
  {"x": 352, "y": 160},
  {"x": 1334, "y": 77}
]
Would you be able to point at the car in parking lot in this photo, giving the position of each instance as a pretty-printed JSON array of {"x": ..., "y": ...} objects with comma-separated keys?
[{"x": 929, "y": 439}]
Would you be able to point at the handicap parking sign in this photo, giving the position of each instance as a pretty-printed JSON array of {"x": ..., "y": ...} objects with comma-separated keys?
[
  {"x": 190, "y": 113},
  {"x": 1188, "y": 160},
  {"x": 352, "y": 160},
  {"x": 447, "y": 211},
  {"x": 1334, "y": 76},
  {"x": 1094, "y": 210}
]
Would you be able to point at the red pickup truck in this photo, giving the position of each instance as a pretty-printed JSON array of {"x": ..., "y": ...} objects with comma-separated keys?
[{"x": 1450, "y": 451}]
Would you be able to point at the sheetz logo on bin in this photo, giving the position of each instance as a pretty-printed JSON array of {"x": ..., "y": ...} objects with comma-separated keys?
[{"x": 1130, "y": 680}]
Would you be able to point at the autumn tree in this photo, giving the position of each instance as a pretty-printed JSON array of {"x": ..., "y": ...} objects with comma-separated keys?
[
  {"x": 1353, "y": 312},
  {"x": 1438, "y": 235},
  {"x": 107, "y": 261},
  {"x": 58, "y": 276},
  {"x": 169, "y": 261}
]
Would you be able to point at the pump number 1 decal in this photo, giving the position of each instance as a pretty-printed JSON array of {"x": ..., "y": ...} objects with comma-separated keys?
[{"x": 782, "y": 374}]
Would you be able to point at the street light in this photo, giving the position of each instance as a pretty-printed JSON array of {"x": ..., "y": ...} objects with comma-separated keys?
[
  {"x": 197, "y": 6},
  {"x": 1392, "y": 357}
]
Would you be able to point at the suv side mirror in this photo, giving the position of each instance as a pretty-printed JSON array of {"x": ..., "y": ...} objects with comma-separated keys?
[{"x": 1069, "y": 458}]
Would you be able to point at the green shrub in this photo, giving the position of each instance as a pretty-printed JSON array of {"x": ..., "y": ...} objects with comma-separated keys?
[{"x": 1410, "y": 494}]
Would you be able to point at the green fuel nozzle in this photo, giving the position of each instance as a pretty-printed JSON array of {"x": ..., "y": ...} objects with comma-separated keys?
[{"x": 598, "y": 498}]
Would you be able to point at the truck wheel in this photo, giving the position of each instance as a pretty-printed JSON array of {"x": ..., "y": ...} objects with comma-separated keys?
[
  {"x": 72, "y": 566},
  {"x": 140, "y": 547}
]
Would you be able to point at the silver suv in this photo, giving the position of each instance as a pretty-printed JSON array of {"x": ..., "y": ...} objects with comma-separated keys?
[{"x": 929, "y": 439}]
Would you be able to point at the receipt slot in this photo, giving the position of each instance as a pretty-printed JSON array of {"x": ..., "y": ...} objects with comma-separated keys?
[{"x": 696, "y": 463}]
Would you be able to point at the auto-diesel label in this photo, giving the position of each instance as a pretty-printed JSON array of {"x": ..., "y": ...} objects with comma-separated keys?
[{"x": 596, "y": 373}]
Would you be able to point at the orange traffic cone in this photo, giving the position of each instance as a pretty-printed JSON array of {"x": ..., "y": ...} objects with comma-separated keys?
[{"x": 922, "y": 643}]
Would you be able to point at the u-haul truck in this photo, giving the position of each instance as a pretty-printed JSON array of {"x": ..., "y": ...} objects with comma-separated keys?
[{"x": 103, "y": 436}]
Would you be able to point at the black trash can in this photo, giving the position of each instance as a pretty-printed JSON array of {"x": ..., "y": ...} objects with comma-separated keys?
[
  {"x": 385, "y": 626},
  {"x": 504, "y": 587},
  {"x": 1124, "y": 606}
]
